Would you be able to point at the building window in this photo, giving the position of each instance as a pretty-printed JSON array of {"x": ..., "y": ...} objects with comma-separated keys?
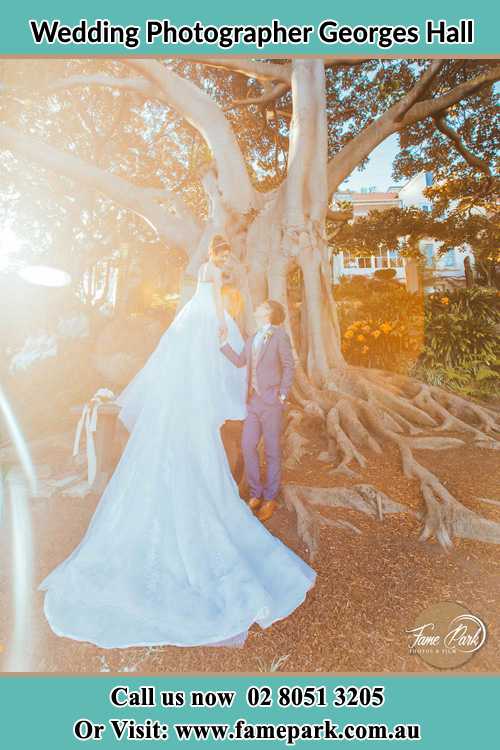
[
  {"x": 383, "y": 259},
  {"x": 449, "y": 259},
  {"x": 429, "y": 254},
  {"x": 395, "y": 260},
  {"x": 353, "y": 261},
  {"x": 349, "y": 260},
  {"x": 428, "y": 251},
  {"x": 388, "y": 259}
]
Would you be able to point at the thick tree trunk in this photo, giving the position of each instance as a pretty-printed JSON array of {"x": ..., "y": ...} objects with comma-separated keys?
[{"x": 290, "y": 231}]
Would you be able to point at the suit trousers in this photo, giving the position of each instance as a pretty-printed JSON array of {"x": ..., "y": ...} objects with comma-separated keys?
[{"x": 263, "y": 420}]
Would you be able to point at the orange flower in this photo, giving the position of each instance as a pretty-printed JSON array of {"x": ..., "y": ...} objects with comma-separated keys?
[
  {"x": 360, "y": 337},
  {"x": 385, "y": 328},
  {"x": 376, "y": 334},
  {"x": 366, "y": 329},
  {"x": 445, "y": 300},
  {"x": 348, "y": 334}
]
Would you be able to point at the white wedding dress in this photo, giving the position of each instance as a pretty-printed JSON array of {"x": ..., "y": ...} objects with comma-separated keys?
[{"x": 172, "y": 554}]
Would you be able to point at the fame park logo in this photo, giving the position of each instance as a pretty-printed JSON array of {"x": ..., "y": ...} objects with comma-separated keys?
[{"x": 446, "y": 635}]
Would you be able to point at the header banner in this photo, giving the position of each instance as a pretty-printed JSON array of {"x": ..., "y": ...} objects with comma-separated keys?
[{"x": 195, "y": 28}]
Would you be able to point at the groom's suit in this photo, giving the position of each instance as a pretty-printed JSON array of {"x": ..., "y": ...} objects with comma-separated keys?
[{"x": 269, "y": 360}]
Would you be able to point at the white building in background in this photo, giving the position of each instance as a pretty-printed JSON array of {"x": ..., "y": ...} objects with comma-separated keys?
[{"x": 449, "y": 266}]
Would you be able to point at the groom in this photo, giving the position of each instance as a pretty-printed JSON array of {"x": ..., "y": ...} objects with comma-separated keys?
[{"x": 270, "y": 366}]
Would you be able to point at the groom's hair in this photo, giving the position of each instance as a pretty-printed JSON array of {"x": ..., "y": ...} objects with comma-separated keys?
[{"x": 277, "y": 312}]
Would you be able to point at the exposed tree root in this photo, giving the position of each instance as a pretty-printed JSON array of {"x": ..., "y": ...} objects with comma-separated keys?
[
  {"x": 362, "y": 497},
  {"x": 363, "y": 410},
  {"x": 295, "y": 443}
]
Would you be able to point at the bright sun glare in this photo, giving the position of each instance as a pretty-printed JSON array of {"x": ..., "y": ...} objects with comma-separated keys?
[
  {"x": 9, "y": 247},
  {"x": 45, "y": 276}
]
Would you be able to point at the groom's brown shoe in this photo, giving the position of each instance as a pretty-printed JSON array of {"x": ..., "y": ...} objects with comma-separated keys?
[
  {"x": 267, "y": 510},
  {"x": 254, "y": 503}
]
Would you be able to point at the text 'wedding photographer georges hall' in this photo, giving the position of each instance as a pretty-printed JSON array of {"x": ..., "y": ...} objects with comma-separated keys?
[{"x": 329, "y": 32}]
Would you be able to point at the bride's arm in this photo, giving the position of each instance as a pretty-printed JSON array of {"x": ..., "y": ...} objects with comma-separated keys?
[{"x": 216, "y": 275}]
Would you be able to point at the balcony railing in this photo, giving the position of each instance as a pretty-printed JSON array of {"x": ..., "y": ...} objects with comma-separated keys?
[{"x": 385, "y": 259}]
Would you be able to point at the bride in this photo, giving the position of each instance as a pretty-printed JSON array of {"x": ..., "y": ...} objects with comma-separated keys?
[{"x": 172, "y": 554}]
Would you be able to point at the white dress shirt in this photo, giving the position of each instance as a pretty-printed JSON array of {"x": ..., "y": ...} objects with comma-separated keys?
[
  {"x": 259, "y": 337},
  {"x": 257, "y": 343}
]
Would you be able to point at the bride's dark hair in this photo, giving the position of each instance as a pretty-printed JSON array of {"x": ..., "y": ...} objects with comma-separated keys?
[{"x": 218, "y": 246}]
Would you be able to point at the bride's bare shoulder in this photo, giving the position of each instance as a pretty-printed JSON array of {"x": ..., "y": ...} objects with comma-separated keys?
[{"x": 209, "y": 272}]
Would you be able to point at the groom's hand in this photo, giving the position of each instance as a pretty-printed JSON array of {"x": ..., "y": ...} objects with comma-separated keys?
[{"x": 223, "y": 334}]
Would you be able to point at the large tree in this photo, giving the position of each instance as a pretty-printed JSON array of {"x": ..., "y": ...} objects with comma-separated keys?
[{"x": 277, "y": 138}]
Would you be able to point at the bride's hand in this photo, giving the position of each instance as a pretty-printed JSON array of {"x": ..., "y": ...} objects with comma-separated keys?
[{"x": 223, "y": 332}]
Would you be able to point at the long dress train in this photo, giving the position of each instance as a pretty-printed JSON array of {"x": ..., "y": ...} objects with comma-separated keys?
[{"x": 172, "y": 554}]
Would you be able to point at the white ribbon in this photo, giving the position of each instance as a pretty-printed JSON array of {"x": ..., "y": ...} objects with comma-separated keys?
[{"x": 88, "y": 419}]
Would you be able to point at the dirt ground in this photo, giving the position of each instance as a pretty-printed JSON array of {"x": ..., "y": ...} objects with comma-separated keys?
[{"x": 370, "y": 587}]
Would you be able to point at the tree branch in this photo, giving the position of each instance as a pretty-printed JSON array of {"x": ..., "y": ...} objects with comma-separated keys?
[
  {"x": 170, "y": 200},
  {"x": 177, "y": 232},
  {"x": 204, "y": 114},
  {"x": 446, "y": 129},
  {"x": 136, "y": 85},
  {"x": 342, "y": 164},
  {"x": 428, "y": 107},
  {"x": 336, "y": 62},
  {"x": 361, "y": 146},
  {"x": 267, "y": 71},
  {"x": 250, "y": 68},
  {"x": 420, "y": 88},
  {"x": 272, "y": 94},
  {"x": 198, "y": 108}
]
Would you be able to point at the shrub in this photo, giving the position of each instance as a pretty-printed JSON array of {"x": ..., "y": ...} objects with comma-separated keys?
[
  {"x": 351, "y": 287},
  {"x": 357, "y": 287},
  {"x": 475, "y": 379},
  {"x": 462, "y": 342},
  {"x": 383, "y": 330},
  {"x": 385, "y": 274},
  {"x": 460, "y": 327}
]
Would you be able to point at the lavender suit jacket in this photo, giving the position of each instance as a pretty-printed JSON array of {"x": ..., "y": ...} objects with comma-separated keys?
[{"x": 275, "y": 364}]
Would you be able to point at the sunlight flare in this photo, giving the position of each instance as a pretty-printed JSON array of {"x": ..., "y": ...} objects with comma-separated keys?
[{"x": 45, "y": 276}]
